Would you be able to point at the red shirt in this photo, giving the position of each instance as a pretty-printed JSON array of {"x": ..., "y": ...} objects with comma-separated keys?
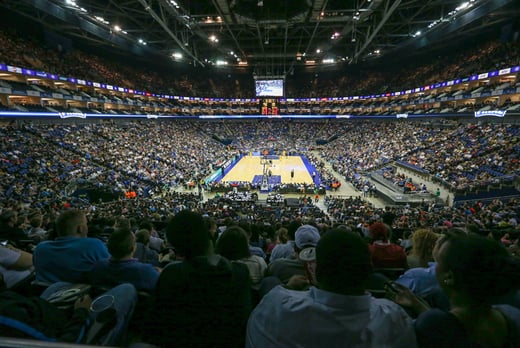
[{"x": 387, "y": 255}]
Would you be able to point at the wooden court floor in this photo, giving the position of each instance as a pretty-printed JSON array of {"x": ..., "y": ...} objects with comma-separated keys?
[{"x": 249, "y": 166}]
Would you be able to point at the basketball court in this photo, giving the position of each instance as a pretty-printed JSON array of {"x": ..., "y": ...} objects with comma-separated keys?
[{"x": 250, "y": 166}]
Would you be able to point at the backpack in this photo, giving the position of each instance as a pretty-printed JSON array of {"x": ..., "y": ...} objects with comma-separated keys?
[{"x": 34, "y": 317}]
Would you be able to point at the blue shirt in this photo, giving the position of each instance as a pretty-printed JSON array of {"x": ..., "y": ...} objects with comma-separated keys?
[
  {"x": 257, "y": 251},
  {"x": 67, "y": 259},
  {"x": 282, "y": 251},
  {"x": 318, "y": 318},
  {"x": 114, "y": 272},
  {"x": 422, "y": 281}
]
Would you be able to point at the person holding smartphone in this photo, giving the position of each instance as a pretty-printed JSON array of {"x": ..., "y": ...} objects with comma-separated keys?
[{"x": 473, "y": 272}]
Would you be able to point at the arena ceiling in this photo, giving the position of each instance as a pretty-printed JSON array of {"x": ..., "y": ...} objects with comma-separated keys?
[{"x": 270, "y": 37}]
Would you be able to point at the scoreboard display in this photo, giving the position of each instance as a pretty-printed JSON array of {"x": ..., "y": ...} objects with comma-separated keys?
[{"x": 269, "y": 106}]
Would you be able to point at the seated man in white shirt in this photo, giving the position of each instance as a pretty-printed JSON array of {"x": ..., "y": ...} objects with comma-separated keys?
[{"x": 338, "y": 312}]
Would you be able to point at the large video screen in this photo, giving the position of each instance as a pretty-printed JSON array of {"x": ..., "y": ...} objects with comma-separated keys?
[{"x": 269, "y": 88}]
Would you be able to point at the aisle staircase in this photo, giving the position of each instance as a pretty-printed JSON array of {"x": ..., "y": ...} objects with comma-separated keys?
[{"x": 346, "y": 189}]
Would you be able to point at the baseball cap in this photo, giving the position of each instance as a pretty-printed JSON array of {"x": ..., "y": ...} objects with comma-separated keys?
[{"x": 306, "y": 236}]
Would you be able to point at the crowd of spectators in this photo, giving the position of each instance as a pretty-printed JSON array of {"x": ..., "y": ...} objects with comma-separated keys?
[
  {"x": 471, "y": 155},
  {"x": 281, "y": 137},
  {"x": 29, "y": 53},
  {"x": 199, "y": 298},
  {"x": 248, "y": 233},
  {"x": 43, "y": 164},
  {"x": 139, "y": 157},
  {"x": 357, "y": 213},
  {"x": 490, "y": 56},
  {"x": 464, "y": 156}
]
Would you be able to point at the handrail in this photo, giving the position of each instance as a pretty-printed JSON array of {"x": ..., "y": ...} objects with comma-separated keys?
[{"x": 7, "y": 342}]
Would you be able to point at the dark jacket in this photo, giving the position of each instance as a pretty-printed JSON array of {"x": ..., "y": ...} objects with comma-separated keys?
[
  {"x": 42, "y": 316},
  {"x": 204, "y": 302}
]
